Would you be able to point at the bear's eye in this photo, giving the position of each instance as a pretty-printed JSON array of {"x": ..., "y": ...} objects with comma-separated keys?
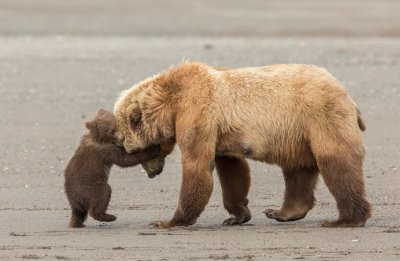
[{"x": 112, "y": 131}]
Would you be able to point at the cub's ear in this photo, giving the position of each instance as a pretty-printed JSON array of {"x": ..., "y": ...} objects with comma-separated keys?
[
  {"x": 135, "y": 117},
  {"x": 101, "y": 111},
  {"x": 91, "y": 125}
]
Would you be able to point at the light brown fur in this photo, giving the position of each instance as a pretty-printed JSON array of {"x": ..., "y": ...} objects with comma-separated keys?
[{"x": 296, "y": 116}]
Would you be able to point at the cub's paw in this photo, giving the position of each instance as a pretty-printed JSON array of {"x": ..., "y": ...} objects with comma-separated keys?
[
  {"x": 105, "y": 218},
  {"x": 73, "y": 225},
  {"x": 160, "y": 224}
]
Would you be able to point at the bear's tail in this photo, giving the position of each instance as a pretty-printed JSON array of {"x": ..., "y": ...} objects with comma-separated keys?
[{"x": 360, "y": 120}]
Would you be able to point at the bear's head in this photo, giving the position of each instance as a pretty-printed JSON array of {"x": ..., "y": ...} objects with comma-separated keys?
[
  {"x": 145, "y": 118},
  {"x": 103, "y": 128}
]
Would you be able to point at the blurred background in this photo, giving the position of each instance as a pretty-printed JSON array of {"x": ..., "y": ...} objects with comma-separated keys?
[{"x": 173, "y": 18}]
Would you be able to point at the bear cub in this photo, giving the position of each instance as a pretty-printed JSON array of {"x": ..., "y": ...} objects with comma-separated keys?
[{"x": 87, "y": 172}]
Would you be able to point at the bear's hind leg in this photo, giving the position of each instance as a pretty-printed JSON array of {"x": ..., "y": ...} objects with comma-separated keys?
[
  {"x": 100, "y": 204},
  {"x": 336, "y": 143},
  {"x": 299, "y": 194},
  {"x": 78, "y": 217},
  {"x": 343, "y": 176},
  {"x": 234, "y": 176}
]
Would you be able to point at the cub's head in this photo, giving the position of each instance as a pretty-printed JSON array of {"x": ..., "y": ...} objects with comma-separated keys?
[{"x": 103, "y": 128}]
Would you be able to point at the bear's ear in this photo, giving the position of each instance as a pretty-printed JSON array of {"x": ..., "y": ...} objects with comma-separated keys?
[
  {"x": 135, "y": 116},
  {"x": 91, "y": 125}
]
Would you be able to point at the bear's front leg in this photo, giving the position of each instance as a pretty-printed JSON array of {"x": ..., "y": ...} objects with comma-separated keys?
[
  {"x": 198, "y": 155},
  {"x": 196, "y": 189}
]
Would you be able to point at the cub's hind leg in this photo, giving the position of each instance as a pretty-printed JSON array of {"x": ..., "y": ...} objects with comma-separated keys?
[
  {"x": 100, "y": 204},
  {"x": 234, "y": 176},
  {"x": 78, "y": 216},
  {"x": 299, "y": 194}
]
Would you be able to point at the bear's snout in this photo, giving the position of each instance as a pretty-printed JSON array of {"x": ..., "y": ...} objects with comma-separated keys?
[{"x": 153, "y": 167}]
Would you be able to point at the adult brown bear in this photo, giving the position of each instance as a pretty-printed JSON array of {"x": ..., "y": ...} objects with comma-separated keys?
[{"x": 293, "y": 115}]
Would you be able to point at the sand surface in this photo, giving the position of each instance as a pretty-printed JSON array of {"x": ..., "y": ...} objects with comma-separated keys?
[{"x": 55, "y": 73}]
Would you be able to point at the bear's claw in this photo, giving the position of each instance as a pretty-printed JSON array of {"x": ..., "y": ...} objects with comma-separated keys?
[
  {"x": 275, "y": 214},
  {"x": 160, "y": 224},
  {"x": 233, "y": 221}
]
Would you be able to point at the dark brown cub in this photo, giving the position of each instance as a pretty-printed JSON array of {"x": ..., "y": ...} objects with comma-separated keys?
[{"x": 87, "y": 172}]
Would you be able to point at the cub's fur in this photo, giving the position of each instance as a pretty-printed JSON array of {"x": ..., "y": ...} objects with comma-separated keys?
[
  {"x": 87, "y": 172},
  {"x": 294, "y": 115}
]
